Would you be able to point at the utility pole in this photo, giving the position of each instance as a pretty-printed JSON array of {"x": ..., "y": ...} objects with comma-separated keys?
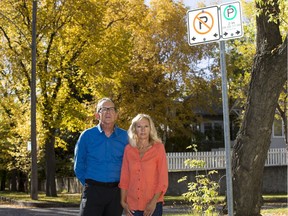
[{"x": 34, "y": 175}]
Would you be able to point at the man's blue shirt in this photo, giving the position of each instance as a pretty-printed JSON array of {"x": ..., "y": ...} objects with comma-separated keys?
[{"x": 99, "y": 157}]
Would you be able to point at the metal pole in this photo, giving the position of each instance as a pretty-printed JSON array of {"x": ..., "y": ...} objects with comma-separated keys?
[
  {"x": 34, "y": 176},
  {"x": 226, "y": 129}
]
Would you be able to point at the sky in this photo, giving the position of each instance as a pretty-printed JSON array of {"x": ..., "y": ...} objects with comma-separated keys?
[{"x": 193, "y": 3}]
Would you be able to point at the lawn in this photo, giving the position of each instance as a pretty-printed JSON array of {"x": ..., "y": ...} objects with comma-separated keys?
[{"x": 42, "y": 198}]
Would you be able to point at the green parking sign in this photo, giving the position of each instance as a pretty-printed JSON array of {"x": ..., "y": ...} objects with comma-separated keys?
[{"x": 231, "y": 20}]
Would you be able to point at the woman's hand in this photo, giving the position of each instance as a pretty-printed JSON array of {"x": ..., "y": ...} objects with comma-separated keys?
[
  {"x": 128, "y": 212},
  {"x": 150, "y": 208}
]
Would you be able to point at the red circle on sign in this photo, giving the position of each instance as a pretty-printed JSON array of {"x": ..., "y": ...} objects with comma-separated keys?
[{"x": 204, "y": 23}]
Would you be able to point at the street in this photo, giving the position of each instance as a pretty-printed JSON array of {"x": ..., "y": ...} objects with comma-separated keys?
[{"x": 15, "y": 210}]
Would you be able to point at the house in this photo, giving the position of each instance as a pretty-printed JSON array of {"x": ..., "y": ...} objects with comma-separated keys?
[{"x": 212, "y": 129}]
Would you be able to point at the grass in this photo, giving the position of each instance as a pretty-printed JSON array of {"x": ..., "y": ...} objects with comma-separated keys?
[
  {"x": 181, "y": 198},
  {"x": 274, "y": 205},
  {"x": 61, "y": 197},
  {"x": 278, "y": 211}
]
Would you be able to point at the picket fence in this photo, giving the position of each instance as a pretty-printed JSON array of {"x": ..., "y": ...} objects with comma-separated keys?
[
  {"x": 217, "y": 159},
  {"x": 213, "y": 160}
]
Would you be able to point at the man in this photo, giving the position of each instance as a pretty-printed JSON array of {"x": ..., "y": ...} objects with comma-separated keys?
[{"x": 98, "y": 159}]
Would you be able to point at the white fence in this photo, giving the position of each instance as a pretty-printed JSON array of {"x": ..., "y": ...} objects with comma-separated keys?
[
  {"x": 213, "y": 160},
  {"x": 216, "y": 159}
]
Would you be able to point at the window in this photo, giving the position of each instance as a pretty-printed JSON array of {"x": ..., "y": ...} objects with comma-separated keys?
[
  {"x": 213, "y": 131},
  {"x": 208, "y": 131},
  {"x": 218, "y": 132},
  {"x": 278, "y": 128}
]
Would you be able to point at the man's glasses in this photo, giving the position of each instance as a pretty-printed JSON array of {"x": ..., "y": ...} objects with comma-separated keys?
[{"x": 106, "y": 109}]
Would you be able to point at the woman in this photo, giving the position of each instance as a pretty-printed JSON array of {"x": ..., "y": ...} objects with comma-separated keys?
[{"x": 144, "y": 173}]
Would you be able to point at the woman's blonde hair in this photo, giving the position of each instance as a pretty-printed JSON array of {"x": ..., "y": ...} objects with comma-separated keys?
[{"x": 153, "y": 136}]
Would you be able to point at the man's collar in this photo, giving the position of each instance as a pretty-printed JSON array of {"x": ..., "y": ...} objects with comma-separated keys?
[{"x": 101, "y": 129}]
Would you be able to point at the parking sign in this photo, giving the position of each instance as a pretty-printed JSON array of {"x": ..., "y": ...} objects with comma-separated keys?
[
  {"x": 231, "y": 20},
  {"x": 214, "y": 23},
  {"x": 203, "y": 25}
]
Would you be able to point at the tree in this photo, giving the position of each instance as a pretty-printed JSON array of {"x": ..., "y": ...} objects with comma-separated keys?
[
  {"x": 87, "y": 50},
  {"x": 147, "y": 69},
  {"x": 268, "y": 76},
  {"x": 62, "y": 91},
  {"x": 14, "y": 105}
]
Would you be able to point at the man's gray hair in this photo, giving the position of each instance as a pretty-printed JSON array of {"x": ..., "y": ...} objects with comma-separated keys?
[{"x": 101, "y": 101}]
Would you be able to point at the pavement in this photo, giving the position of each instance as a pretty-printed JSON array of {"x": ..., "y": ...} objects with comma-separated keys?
[
  {"x": 12, "y": 207},
  {"x": 14, "y": 210}
]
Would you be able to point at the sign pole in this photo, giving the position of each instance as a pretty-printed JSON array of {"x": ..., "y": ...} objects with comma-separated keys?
[
  {"x": 226, "y": 129},
  {"x": 34, "y": 175},
  {"x": 212, "y": 24}
]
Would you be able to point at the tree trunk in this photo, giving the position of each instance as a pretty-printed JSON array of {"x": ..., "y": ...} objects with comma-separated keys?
[
  {"x": 3, "y": 174},
  {"x": 253, "y": 141},
  {"x": 13, "y": 180},
  {"x": 50, "y": 166},
  {"x": 21, "y": 182}
]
